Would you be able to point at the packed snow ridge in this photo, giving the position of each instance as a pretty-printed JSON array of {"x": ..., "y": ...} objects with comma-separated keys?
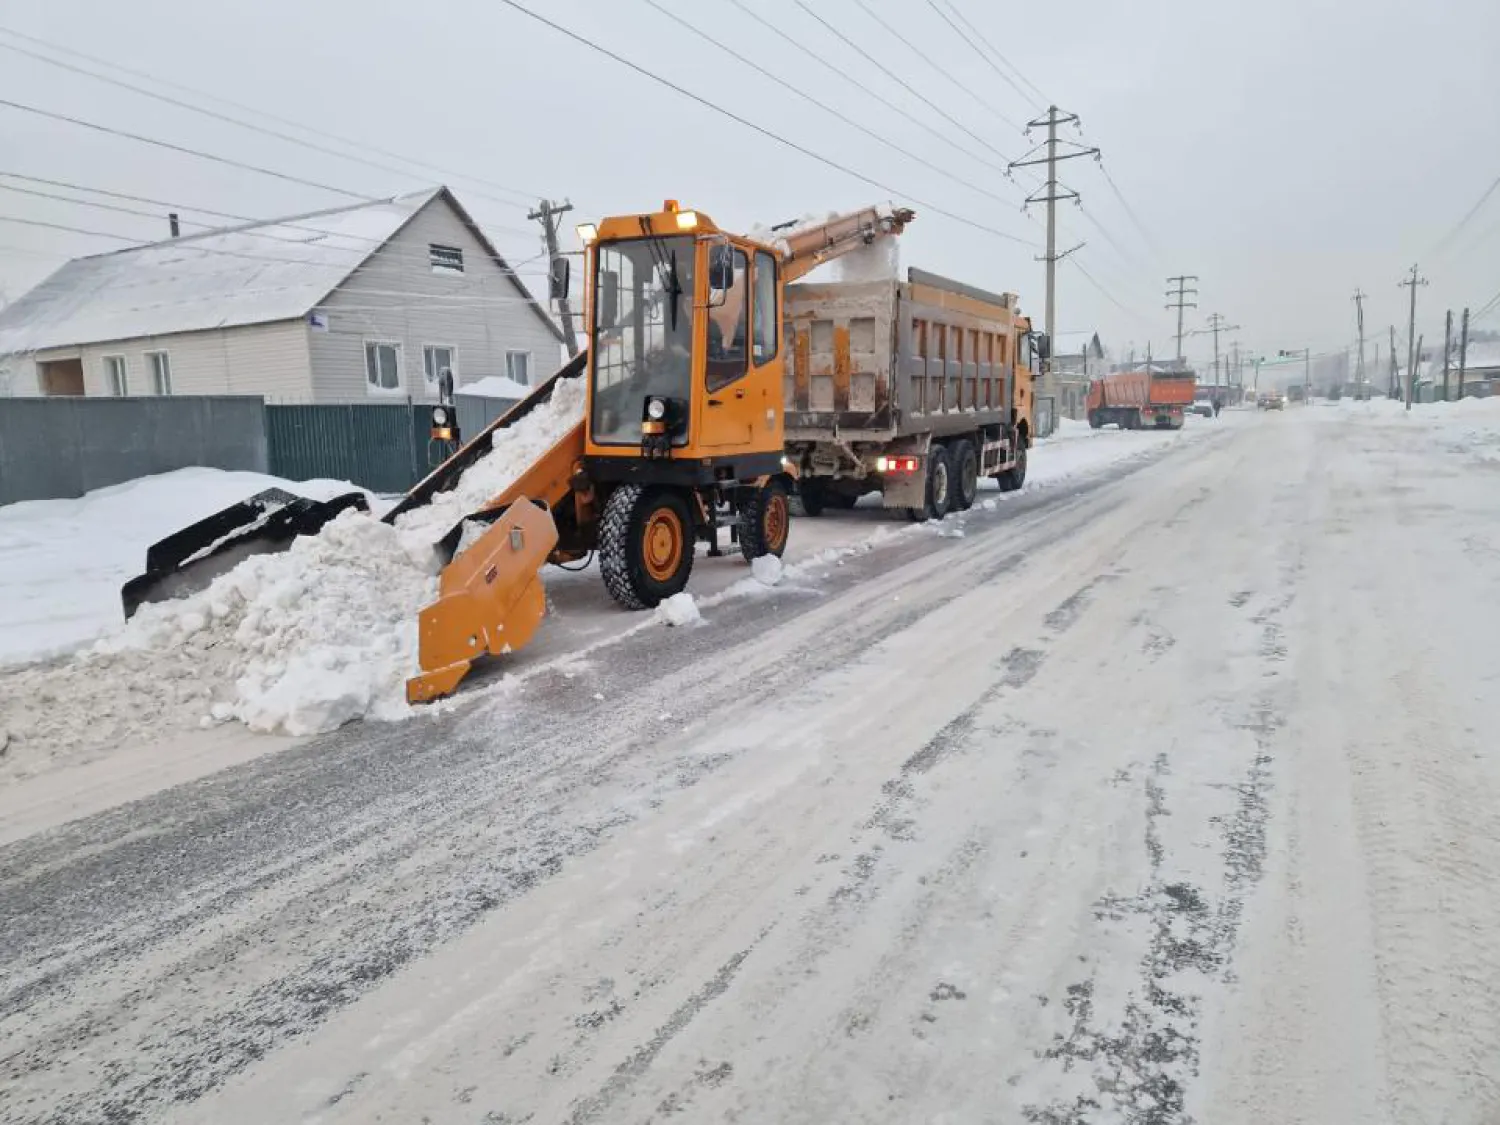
[{"x": 297, "y": 642}]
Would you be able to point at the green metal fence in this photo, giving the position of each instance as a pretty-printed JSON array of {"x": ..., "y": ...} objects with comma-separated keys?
[{"x": 384, "y": 448}]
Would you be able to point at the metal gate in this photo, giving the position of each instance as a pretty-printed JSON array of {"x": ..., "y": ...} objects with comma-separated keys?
[{"x": 380, "y": 447}]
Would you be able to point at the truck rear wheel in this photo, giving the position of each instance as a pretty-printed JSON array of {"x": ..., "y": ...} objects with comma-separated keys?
[
  {"x": 645, "y": 545},
  {"x": 965, "y": 475},
  {"x": 939, "y": 486},
  {"x": 1095, "y": 421},
  {"x": 765, "y": 522},
  {"x": 1011, "y": 479},
  {"x": 812, "y": 496}
]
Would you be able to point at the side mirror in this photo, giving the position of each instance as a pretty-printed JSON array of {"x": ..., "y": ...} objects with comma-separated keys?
[
  {"x": 1042, "y": 344},
  {"x": 609, "y": 298},
  {"x": 721, "y": 268},
  {"x": 560, "y": 278}
]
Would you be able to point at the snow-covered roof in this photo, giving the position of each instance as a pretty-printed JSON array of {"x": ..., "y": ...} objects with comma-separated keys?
[
  {"x": 258, "y": 273},
  {"x": 494, "y": 386},
  {"x": 1481, "y": 356}
]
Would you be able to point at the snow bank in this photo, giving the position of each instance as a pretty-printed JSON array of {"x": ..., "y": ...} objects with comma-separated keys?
[{"x": 297, "y": 642}]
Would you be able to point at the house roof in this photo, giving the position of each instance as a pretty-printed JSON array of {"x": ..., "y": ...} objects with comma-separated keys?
[
  {"x": 1074, "y": 343},
  {"x": 1480, "y": 356},
  {"x": 257, "y": 273}
]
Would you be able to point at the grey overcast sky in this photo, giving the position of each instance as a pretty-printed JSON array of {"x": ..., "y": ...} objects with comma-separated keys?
[{"x": 1285, "y": 151}]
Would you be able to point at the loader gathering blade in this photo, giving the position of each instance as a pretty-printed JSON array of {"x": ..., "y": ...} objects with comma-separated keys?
[{"x": 189, "y": 560}]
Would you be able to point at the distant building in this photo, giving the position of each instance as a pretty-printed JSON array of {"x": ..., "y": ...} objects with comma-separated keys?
[{"x": 366, "y": 303}]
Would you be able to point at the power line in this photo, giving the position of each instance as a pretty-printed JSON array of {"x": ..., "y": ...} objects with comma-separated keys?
[
  {"x": 823, "y": 106},
  {"x": 183, "y": 149},
  {"x": 1129, "y": 210},
  {"x": 257, "y": 112},
  {"x": 1044, "y": 99},
  {"x": 761, "y": 129},
  {"x": 868, "y": 91},
  {"x": 894, "y": 77},
  {"x": 912, "y": 47},
  {"x": 975, "y": 47},
  {"x": 1474, "y": 210}
]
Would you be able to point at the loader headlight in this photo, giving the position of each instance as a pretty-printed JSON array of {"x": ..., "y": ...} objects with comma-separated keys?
[{"x": 656, "y": 409}]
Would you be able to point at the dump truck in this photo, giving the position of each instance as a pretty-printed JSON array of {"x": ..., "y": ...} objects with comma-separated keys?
[
  {"x": 682, "y": 439},
  {"x": 1135, "y": 400},
  {"x": 914, "y": 389}
]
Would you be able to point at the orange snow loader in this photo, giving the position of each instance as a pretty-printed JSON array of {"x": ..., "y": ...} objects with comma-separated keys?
[
  {"x": 1136, "y": 400},
  {"x": 681, "y": 437}
]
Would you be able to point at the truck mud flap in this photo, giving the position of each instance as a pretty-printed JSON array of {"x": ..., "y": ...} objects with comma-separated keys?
[{"x": 189, "y": 560}]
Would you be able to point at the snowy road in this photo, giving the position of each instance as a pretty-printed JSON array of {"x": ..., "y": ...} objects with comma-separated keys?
[{"x": 1169, "y": 797}]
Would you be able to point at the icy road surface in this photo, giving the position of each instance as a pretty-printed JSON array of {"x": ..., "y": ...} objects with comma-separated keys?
[{"x": 1163, "y": 798}]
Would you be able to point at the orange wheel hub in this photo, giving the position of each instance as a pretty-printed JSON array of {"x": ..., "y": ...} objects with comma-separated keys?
[
  {"x": 663, "y": 544},
  {"x": 778, "y": 519}
]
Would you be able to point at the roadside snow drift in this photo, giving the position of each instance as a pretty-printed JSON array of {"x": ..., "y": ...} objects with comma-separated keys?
[{"x": 298, "y": 642}]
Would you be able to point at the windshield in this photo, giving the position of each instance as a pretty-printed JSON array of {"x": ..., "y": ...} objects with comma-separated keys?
[{"x": 642, "y": 332}]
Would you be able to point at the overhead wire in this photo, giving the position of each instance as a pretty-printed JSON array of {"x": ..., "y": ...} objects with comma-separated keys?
[
  {"x": 914, "y": 49},
  {"x": 988, "y": 61},
  {"x": 184, "y": 149},
  {"x": 866, "y": 90},
  {"x": 1457, "y": 229},
  {"x": 1044, "y": 99},
  {"x": 309, "y": 129},
  {"x": 761, "y": 129},
  {"x": 805, "y": 96},
  {"x": 894, "y": 77}
]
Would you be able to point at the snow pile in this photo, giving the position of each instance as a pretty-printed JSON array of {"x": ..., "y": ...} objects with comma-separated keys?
[
  {"x": 297, "y": 642},
  {"x": 679, "y": 609},
  {"x": 767, "y": 570},
  {"x": 878, "y": 261}
]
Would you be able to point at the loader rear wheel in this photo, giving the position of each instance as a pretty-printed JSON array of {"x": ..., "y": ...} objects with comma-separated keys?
[
  {"x": 965, "y": 475},
  {"x": 765, "y": 522},
  {"x": 645, "y": 545}
]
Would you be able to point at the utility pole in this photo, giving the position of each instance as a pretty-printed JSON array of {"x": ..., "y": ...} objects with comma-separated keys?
[
  {"x": 1051, "y": 193},
  {"x": 1463, "y": 353},
  {"x": 1182, "y": 292},
  {"x": 1447, "y": 350},
  {"x": 1216, "y": 325},
  {"x": 1359, "y": 318},
  {"x": 550, "y": 214},
  {"x": 1395, "y": 388},
  {"x": 1411, "y": 333}
]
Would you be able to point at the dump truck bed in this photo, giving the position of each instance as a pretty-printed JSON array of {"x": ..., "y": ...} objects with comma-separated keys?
[{"x": 881, "y": 360}]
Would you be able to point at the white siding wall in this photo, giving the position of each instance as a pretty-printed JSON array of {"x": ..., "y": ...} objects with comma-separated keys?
[
  {"x": 395, "y": 297},
  {"x": 257, "y": 359}
]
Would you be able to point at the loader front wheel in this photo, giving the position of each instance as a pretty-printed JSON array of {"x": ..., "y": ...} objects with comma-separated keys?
[
  {"x": 765, "y": 522},
  {"x": 645, "y": 545}
]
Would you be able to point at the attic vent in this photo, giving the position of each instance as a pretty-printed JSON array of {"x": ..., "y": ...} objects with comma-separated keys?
[{"x": 445, "y": 259}]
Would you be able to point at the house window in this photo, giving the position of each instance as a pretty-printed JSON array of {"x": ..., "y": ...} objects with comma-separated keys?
[
  {"x": 116, "y": 381},
  {"x": 445, "y": 259},
  {"x": 383, "y": 366},
  {"x": 161, "y": 371},
  {"x": 518, "y": 367},
  {"x": 434, "y": 359}
]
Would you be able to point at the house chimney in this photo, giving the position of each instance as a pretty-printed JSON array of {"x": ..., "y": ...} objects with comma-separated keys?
[{"x": 172, "y": 222}]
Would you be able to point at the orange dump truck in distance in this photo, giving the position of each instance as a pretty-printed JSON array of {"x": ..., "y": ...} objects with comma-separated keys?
[{"x": 1137, "y": 399}]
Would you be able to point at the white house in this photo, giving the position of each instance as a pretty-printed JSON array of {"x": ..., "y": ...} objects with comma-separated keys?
[
  {"x": 358, "y": 304},
  {"x": 1077, "y": 359}
]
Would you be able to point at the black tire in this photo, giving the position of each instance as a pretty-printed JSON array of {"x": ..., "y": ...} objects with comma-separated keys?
[
  {"x": 646, "y": 545},
  {"x": 965, "y": 475},
  {"x": 765, "y": 522},
  {"x": 1011, "y": 479},
  {"x": 939, "y": 486},
  {"x": 840, "y": 501},
  {"x": 1095, "y": 422},
  {"x": 813, "y": 497}
]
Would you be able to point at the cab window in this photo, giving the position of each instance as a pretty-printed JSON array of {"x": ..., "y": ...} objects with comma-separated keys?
[
  {"x": 764, "y": 308},
  {"x": 727, "y": 325}
]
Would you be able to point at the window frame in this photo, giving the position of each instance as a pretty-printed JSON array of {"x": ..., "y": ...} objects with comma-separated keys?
[
  {"x": 526, "y": 382},
  {"x": 427, "y": 349},
  {"x": 716, "y": 375},
  {"x": 399, "y": 390},
  {"x": 435, "y": 250},
  {"x": 110, "y": 387},
  {"x": 775, "y": 306},
  {"x": 157, "y": 371}
]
